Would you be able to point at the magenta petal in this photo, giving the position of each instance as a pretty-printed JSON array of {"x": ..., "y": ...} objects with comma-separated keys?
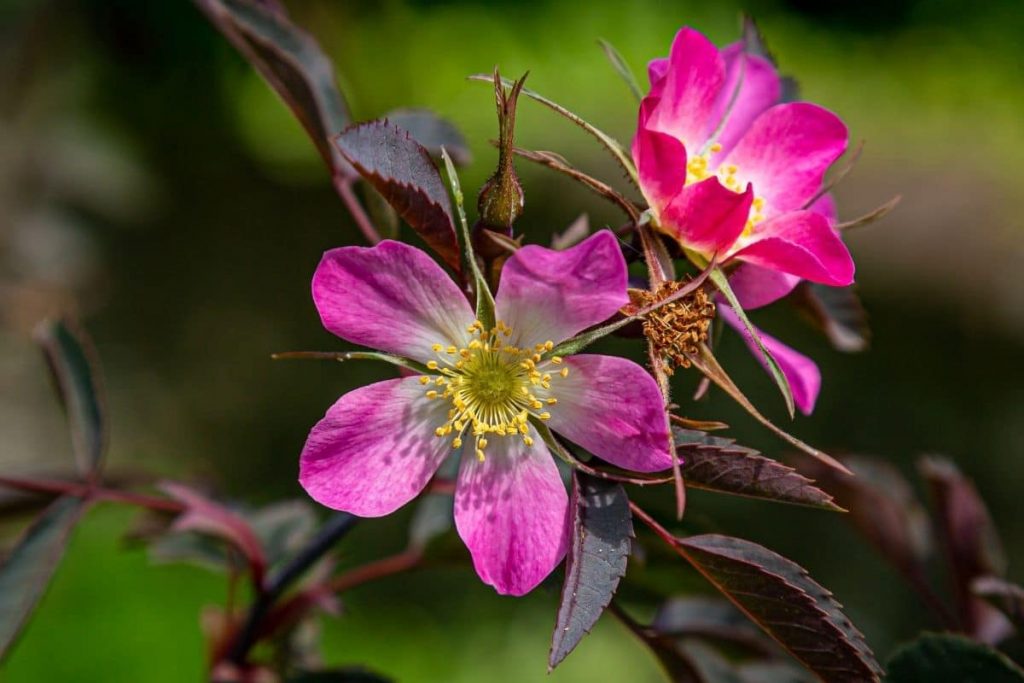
[
  {"x": 759, "y": 89},
  {"x": 656, "y": 71},
  {"x": 706, "y": 216},
  {"x": 375, "y": 449},
  {"x": 661, "y": 165},
  {"x": 786, "y": 152},
  {"x": 512, "y": 512},
  {"x": 695, "y": 75},
  {"x": 755, "y": 286},
  {"x": 801, "y": 372},
  {"x": 826, "y": 206},
  {"x": 549, "y": 295},
  {"x": 391, "y": 297},
  {"x": 801, "y": 243},
  {"x": 612, "y": 407}
]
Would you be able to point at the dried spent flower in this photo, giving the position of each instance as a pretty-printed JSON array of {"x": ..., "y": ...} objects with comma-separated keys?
[{"x": 677, "y": 328}]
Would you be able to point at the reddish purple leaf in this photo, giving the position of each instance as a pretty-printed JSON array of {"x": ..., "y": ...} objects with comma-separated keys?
[
  {"x": 292, "y": 63},
  {"x": 782, "y": 599},
  {"x": 28, "y": 568},
  {"x": 837, "y": 311},
  {"x": 433, "y": 132},
  {"x": 970, "y": 540},
  {"x": 205, "y": 516},
  {"x": 72, "y": 361},
  {"x": 884, "y": 509},
  {"x": 401, "y": 170},
  {"x": 718, "y": 464},
  {"x": 1007, "y": 597},
  {"x": 602, "y": 527}
]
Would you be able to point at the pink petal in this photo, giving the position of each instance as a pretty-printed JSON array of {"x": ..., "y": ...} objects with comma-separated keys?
[
  {"x": 391, "y": 297},
  {"x": 695, "y": 76},
  {"x": 706, "y": 216},
  {"x": 612, "y": 407},
  {"x": 786, "y": 152},
  {"x": 661, "y": 164},
  {"x": 755, "y": 286},
  {"x": 759, "y": 89},
  {"x": 801, "y": 372},
  {"x": 826, "y": 206},
  {"x": 512, "y": 512},
  {"x": 548, "y": 295},
  {"x": 657, "y": 69},
  {"x": 800, "y": 243},
  {"x": 375, "y": 449}
]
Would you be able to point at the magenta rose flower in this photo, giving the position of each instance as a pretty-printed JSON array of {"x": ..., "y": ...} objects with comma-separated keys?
[
  {"x": 378, "y": 446},
  {"x": 728, "y": 171}
]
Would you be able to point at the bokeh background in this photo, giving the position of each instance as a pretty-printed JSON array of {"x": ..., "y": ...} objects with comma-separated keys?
[{"x": 152, "y": 183}]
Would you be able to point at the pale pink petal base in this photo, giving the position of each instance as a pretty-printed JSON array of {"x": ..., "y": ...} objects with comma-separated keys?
[
  {"x": 801, "y": 372},
  {"x": 549, "y": 295},
  {"x": 512, "y": 512},
  {"x": 612, "y": 407},
  {"x": 375, "y": 449},
  {"x": 391, "y": 297}
]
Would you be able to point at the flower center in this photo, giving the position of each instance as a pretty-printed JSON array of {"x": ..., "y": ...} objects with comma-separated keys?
[
  {"x": 699, "y": 168},
  {"x": 493, "y": 386}
]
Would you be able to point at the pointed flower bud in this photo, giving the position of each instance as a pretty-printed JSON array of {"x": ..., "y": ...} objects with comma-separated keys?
[{"x": 501, "y": 198}]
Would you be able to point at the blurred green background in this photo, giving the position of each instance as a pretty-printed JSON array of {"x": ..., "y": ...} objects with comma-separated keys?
[{"x": 150, "y": 181}]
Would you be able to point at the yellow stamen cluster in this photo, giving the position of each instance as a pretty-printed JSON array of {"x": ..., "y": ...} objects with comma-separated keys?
[
  {"x": 494, "y": 387},
  {"x": 699, "y": 167},
  {"x": 677, "y": 328}
]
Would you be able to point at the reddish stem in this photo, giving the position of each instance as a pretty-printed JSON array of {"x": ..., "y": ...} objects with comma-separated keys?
[
  {"x": 387, "y": 566},
  {"x": 74, "y": 488},
  {"x": 657, "y": 528}
]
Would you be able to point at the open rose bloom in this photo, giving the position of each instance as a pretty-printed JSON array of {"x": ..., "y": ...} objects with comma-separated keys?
[
  {"x": 482, "y": 394},
  {"x": 732, "y": 173},
  {"x": 729, "y": 172}
]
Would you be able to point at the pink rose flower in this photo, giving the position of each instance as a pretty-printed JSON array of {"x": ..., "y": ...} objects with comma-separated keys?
[
  {"x": 378, "y": 446},
  {"x": 728, "y": 171}
]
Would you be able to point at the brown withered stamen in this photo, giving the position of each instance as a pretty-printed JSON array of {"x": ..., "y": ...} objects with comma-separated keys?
[{"x": 676, "y": 329}]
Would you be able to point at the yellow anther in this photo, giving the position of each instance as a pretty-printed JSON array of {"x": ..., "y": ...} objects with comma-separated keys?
[
  {"x": 528, "y": 440},
  {"x": 715, "y": 147},
  {"x": 432, "y": 364},
  {"x": 482, "y": 443},
  {"x": 437, "y": 348},
  {"x": 424, "y": 380},
  {"x": 557, "y": 360},
  {"x": 545, "y": 415},
  {"x": 564, "y": 372},
  {"x": 451, "y": 350},
  {"x": 456, "y": 442},
  {"x": 432, "y": 394},
  {"x": 480, "y": 455},
  {"x": 548, "y": 345}
]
